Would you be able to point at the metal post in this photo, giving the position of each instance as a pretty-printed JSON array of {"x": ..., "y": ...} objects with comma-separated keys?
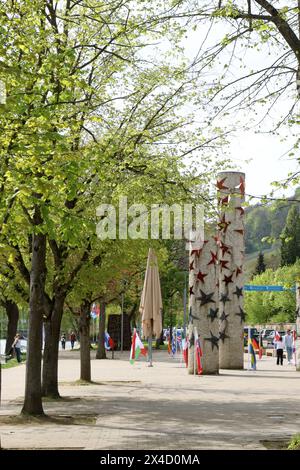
[
  {"x": 122, "y": 320},
  {"x": 150, "y": 350},
  {"x": 184, "y": 305}
]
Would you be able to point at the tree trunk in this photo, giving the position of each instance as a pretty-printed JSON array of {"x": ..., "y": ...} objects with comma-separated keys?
[
  {"x": 50, "y": 358},
  {"x": 33, "y": 387},
  {"x": 84, "y": 328},
  {"x": 12, "y": 312},
  {"x": 101, "y": 354}
]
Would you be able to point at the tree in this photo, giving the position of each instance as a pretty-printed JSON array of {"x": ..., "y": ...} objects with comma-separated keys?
[
  {"x": 290, "y": 238},
  {"x": 77, "y": 128},
  {"x": 268, "y": 307},
  {"x": 260, "y": 266}
]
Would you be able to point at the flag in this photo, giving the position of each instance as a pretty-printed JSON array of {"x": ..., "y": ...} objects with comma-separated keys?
[
  {"x": 277, "y": 336},
  {"x": 137, "y": 348},
  {"x": 108, "y": 342},
  {"x": 252, "y": 352},
  {"x": 294, "y": 334},
  {"x": 94, "y": 311},
  {"x": 173, "y": 344},
  {"x": 185, "y": 349},
  {"x": 199, "y": 353},
  {"x": 179, "y": 339},
  {"x": 169, "y": 344},
  {"x": 254, "y": 343}
]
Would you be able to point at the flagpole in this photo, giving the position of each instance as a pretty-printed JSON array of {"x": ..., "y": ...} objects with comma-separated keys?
[
  {"x": 248, "y": 348},
  {"x": 195, "y": 357},
  {"x": 150, "y": 350}
]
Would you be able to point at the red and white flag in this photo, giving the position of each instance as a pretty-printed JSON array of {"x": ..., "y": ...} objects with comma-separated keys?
[{"x": 198, "y": 353}]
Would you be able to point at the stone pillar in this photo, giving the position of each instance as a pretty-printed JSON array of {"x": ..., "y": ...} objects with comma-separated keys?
[
  {"x": 231, "y": 248},
  {"x": 298, "y": 327},
  {"x": 203, "y": 307}
]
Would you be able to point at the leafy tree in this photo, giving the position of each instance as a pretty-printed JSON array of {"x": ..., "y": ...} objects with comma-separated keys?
[
  {"x": 264, "y": 307},
  {"x": 260, "y": 266},
  {"x": 290, "y": 238}
]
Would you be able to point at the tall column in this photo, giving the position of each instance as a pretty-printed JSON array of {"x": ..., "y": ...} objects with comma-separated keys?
[
  {"x": 203, "y": 306},
  {"x": 231, "y": 248},
  {"x": 298, "y": 327}
]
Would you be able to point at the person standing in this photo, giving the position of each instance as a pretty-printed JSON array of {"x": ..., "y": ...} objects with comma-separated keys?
[
  {"x": 72, "y": 339},
  {"x": 279, "y": 350},
  {"x": 17, "y": 347},
  {"x": 288, "y": 343},
  {"x": 63, "y": 341}
]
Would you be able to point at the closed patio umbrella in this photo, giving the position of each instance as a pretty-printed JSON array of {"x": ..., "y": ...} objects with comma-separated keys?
[{"x": 151, "y": 302}]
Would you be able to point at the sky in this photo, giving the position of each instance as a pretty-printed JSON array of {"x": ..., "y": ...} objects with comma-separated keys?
[{"x": 261, "y": 157}]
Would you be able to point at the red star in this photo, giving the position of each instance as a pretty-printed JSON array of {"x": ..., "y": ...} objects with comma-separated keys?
[
  {"x": 191, "y": 291},
  {"x": 242, "y": 186},
  {"x": 224, "y": 249},
  {"x": 228, "y": 279},
  {"x": 214, "y": 258},
  {"x": 223, "y": 225},
  {"x": 201, "y": 276},
  {"x": 191, "y": 265},
  {"x": 223, "y": 264},
  {"x": 196, "y": 252},
  {"x": 241, "y": 231},
  {"x": 242, "y": 211},
  {"x": 224, "y": 201},
  {"x": 238, "y": 271},
  {"x": 220, "y": 184}
]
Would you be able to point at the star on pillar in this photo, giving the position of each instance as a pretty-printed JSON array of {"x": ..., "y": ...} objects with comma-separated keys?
[
  {"x": 214, "y": 341},
  {"x": 242, "y": 186},
  {"x": 238, "y": 292},
  {"x": 224, "y": 248},
  {"x": 227, "y": 279},
  {"x": 213, "y": 313},
  {"x": 214, "y": 258},
  {"x": 191, "y": 267},
  {"x": 206, "y": 298},
  {"x": 224, "y": 200},
  {"x": 223, "y": 336},
  {"x": 223, "y": 317},
  {"x": 196, "y": 252},
  {"x": 298, "y": 312},
  {"x": 241, "y": 209},
  {"x": 220, "y": 184},
  {"x": 241, "y": 314},
  {"x": 223, "y": 263},
  {"x": 191, "y": 291},
  {"x": 239, "y": 230},
  {"x": 223, "y": 224},
  {"x": 201, "y": 276},
  {"x": 224, "y": 298}
]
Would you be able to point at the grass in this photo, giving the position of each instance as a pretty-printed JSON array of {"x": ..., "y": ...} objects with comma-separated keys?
[
  {"x": 294, "y": 443},
  {"x": 13, "y": 362}
]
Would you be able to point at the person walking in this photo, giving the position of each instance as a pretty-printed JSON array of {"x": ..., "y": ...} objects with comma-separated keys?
[
  {"x": 63, "y": 341},
  {"x": 17, "y": 347},
  {"x": 279, "y": 350},
  {"x": 72, "y": 339},
  {"x": 288, "y": 344}
]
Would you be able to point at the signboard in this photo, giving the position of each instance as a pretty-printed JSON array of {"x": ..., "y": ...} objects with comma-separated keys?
[{"x": 268, "y": 288}]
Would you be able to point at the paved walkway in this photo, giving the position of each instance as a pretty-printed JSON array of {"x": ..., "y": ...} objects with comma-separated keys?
[{"x": 138, "y": 407}]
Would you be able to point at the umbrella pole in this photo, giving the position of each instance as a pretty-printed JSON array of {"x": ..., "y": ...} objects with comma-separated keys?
[{"x": 150, "y": 350}]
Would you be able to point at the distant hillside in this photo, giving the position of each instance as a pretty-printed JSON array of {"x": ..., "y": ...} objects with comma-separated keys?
[{"x": 265, "y": 220}]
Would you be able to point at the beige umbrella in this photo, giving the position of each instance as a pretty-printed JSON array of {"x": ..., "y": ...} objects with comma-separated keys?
[{"x": 151, "y": 302}]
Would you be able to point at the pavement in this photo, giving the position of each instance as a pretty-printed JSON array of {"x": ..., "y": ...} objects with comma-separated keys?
[{"x": 155, "y": 408}]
